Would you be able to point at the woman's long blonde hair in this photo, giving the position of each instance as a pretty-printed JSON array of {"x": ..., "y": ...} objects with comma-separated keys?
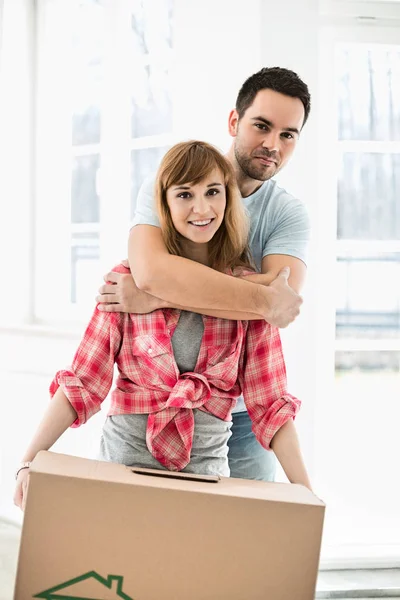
[{"x": 191, "y": 162}]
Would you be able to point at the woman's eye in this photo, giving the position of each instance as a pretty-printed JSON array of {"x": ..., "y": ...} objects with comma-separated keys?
[
  {"x": 184, "y": 195},
  {"x": 212, "y": 192}
]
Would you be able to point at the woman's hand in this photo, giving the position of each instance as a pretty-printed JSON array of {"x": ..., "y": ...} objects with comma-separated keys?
[{"x": 21, "y": 488}]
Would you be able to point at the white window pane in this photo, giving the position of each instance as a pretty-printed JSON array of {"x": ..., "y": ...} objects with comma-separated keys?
[
  {"x": 84, "y": 198},
  {"x": 360, "y": 442},
  {"x": 368, "y": 196},
  {"x": 368, "y": 92},
  {"x": 151, "y": 35},
  {"x": 85, "y": 217},
  {"x": 369, "y": 300},
  {"x": 152, "y": 26},
  {"x": 87, "y": 62},
  {"x": 104, "y": 77},
  {"x": 144, "y": 162},
  {"x": 85, "y": 267},
  {"x": 151, "y": 101}
]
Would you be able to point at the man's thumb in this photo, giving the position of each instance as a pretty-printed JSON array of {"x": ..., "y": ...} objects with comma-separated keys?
[{"x": 285, "y": 272}]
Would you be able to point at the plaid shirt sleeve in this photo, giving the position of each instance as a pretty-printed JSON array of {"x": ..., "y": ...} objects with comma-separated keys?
[
  {"x": 263, "y": 381},
  {"x": 89, "y": 380}
]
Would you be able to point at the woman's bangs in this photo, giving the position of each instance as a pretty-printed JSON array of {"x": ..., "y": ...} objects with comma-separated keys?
[{"x": 194, "y": 166}]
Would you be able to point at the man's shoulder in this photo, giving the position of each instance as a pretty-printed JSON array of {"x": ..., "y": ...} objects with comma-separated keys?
[
  {"x": 274, "y": 203},
  {"x": 274, "y": 195},
  {"x": 148, "y": 183}
]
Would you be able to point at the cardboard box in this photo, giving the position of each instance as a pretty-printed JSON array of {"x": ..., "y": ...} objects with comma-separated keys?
[{"x": 100, "y": 531}]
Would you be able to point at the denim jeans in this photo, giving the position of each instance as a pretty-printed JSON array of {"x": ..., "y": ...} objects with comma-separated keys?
[{"x": 247, "y": 458}]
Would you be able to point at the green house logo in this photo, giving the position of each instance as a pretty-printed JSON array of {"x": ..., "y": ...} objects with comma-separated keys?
[{"x": 90, "y": 586}]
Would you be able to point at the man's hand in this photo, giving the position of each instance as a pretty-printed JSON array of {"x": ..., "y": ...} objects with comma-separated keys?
[
  {"x": 120, "y": 294},
  {"x": 285, "y": 303}
]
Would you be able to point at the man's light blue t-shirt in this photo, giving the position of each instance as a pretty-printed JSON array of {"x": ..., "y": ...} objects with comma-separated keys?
[{"x": 279, "y": 224}]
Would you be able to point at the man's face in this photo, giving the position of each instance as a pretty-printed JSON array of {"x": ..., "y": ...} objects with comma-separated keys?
[{"x": 267, "y": 134}]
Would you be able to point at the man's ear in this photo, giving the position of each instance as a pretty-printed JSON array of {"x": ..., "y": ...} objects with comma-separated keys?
[{"x": 233, "y": 122}]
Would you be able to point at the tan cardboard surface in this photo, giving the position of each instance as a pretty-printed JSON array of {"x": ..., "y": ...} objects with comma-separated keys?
[
  {"x": 97, "y": 531},
  {"x": 71, "y": 466}
]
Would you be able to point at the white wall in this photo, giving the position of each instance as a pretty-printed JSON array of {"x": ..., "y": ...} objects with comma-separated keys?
[
  {"x": 289, "y": 37},
  {"x": 216, "y": 48},
  {"x": 16, "y": 111}
]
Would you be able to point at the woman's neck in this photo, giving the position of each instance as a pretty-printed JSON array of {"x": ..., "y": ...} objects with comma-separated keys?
[{"x": 196, "y": 252}]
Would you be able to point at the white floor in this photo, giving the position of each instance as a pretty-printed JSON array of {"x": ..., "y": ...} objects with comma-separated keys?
[{"x": 9, "y": 544}]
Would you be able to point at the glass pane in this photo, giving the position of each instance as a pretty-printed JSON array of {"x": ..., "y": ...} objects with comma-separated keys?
[
  {"x": 144, "y": 162},
  {"x": 360, "y": 449},
  {"x": 368, "y": 196},
  {"x": 151, "y": 58},
  {"x": 368, "y": 296},
  {"x": 85, "y": 265},
  {"x": 151, "y": 25},
  {"x": 151, "y": 102},
  {"x": 84, "y": 198},
  {"x": 368, "y": 92},
  {"x": 88, "y": 38}
]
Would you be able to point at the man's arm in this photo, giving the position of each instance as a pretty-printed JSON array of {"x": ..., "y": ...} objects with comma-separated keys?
[
  {"x": 279, "y": 304},
  {"x": 183, "y": 283},
  {"x": 271, "y": 265},
  {"x": 120, "y": 293},
  {"x": 163, "y": 280}
]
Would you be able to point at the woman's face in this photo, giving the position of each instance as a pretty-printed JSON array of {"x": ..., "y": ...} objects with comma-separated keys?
[{"x": 197, "y": 211}]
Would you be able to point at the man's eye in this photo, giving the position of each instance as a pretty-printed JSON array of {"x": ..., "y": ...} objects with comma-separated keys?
[
  {"x": 261, "y": 126},
  {"x": 288, "y": 136}
]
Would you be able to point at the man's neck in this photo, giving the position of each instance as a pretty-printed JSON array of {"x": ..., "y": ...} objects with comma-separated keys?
[{"x": 247, "y": 185}]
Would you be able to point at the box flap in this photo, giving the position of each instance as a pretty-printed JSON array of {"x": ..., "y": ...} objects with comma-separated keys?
[{"x": 62, "y": 465}]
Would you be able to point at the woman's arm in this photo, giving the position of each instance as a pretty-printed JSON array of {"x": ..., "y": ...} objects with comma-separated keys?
[
  {"x": 285, "y": 444},
  {"x": 58, "y": 416},
  {"x": 270, "y": 406},
  {"x": 77, "y": 393}
]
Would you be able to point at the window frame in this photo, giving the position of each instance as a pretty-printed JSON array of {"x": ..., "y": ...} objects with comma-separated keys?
[
  {"x": 113, "y": 181},
  {"x": 340, "y": 28},
  {"x": 330, "y": 246}
]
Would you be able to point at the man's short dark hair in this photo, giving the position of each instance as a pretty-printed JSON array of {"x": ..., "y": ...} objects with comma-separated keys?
[{"x": 277, "y": 79}]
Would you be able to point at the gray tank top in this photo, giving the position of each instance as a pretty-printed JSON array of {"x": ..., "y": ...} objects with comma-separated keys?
[
  {"x": 186, "y": 340},
  {"x": 124, "y": 436}
]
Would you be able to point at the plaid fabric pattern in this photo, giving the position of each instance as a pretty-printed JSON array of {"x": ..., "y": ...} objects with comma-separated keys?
[{"x": 235, "y": 357}]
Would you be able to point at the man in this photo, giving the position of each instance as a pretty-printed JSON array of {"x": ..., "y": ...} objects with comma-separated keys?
[{"x": 271, "y": 109}]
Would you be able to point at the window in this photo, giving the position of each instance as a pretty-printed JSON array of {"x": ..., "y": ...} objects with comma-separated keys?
[
  {"x": 105, "y": 119},
  {"x": 368, "y": 220},
  {"x": 360, "y": 415},
  {"x": 368, "y": 211}
]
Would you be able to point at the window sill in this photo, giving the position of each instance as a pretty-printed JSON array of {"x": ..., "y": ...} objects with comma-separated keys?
[{"x": 359, "y": 583}]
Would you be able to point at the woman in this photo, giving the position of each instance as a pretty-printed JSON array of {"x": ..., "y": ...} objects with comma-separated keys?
[{"x": 180, "y": 373}]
